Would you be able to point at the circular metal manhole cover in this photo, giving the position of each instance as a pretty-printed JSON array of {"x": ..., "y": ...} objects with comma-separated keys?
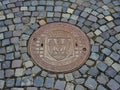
[{"x": 59, "y": 47}]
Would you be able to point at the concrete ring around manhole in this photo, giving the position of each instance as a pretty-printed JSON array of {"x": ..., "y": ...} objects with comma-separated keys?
[{"x": 59, "y": 47}]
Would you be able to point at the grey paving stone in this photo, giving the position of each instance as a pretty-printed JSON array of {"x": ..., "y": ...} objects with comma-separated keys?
[
  {"x": 17, "y": 55},
  {"x": 107, "y": 43},
  {"x": 25, "y": 20},
  {"x": 115, "y": 56},
  {"x": 76, "y": 74},
  {"x": 19, "y": 3},
  {"x": 49, "y": 82},
  {"x": 52, "y": 75},
  {"x": 34, "y": 3},
  {"x": 111, "y": 72},
  {"x": 10, "y": 82},
  {"x": 16, "y": 63},
  {"x": 2, "y": 17},
  {"x": 10, "y": 56},
  {"x": 27, "y": 3},
  {"x": 95, "y": 48},
  {"x": 2, "y": 58},
  {"x": 88, "y": 23},
  {"x": 10, "y": 48},
  {"x": 84, "y": 69},
  {"x": 27, "y": 81},
  {"x": 19, "y": 26},
  {"x": 117, "y": 36},
  {"x": 80, "y": 24},
  {"x": 113, "y": 85},
  {"x": 1, "y": 36},
  {"x": 105, "y": 35},
  {"x": 2, "y": 24},
  {"x": 60, "y": 76},
  {"x": 14, "y": 40},
  {"x": 106, "y": 51},
  {"x": 74, "y": 17},
  {"x": 99, "y": 39},
  {"x": 9, "y": 73},
  {"x": 93, "y": 71},
  {"x": 32, "y": 8},
  {"x": 85, "y": 29},
  {"x": 77, "y": 12},
  {"x": 38, "y": 81},
  {"x": 91, "y": 83},
  {"x": 79, "y": 87},
  {"x": 17, "y": 88},
  {"x": 3, "y": 29},
  {"x": 8, "y": 22},
  {"x": 103, "y": 28},
  {"x": 66, "y": 4},
  {"x": 100, "y": 87},
  {"x": 40, "y": 8},
  {"x": 102, "y": 66},
  {"x": 113, "y": 39},
  {"x": 44, "y": 73},
  {"x": 117, "y": 28},
  {"x": 58, "y": 8},
  {"x": 50, "y": 3},
  {"x": 58, "y": 2},
  {"x": 8, "y": 34},
  {"x": 111, "y": 24},
  {"x": 42, "y": 2},
  {"x": 28, "y": 71},
  {"x": 117, "y": 21},
  {"x": 19, "y": 72},
  {"x": 5, "y": 42},
  {"x": 80, "y": 80},
  {"x": 2, "y": 82},
  {"x": 84, "y": 14},
  {"x": 69, "y": 86},
  {"x": 2, "y": 50},
  {"x": 6, "y": 65},
  {"x": 102, "y": 79},
  {"x": 25, "y": 56},
  {"x": 1, "y": 74},
  {"x": 69, "y": 77},
  {"x": 102, "y": 21},
  {"x": 60, "y": 85},
  {"x": 18, "y": 81},
  {"x": 116, "y": 66},
  {"x": 49, "y": 8},
  {"x": 94, "y": 56},
  {"x": 92, "y": 18},
  {"x": 116, "y": 46},
  {"x": 117, "y": 78},
  {"x": 36, "y": 70},
  {"x": 50, "y": 14},
  {"x": 32, "y": 88}
]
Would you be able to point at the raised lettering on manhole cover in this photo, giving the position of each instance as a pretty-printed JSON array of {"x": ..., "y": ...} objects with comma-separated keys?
[{"x": 59, "y": 47}]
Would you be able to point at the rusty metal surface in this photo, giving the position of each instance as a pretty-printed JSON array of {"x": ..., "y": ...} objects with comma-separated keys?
[{"x": 59, "y": 47}]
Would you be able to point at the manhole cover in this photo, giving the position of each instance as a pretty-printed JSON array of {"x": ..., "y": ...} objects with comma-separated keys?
[{"x": 59, "y": 47}]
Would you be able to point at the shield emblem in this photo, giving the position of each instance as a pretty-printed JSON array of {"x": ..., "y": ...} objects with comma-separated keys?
[{"x": 58, "y": 47}]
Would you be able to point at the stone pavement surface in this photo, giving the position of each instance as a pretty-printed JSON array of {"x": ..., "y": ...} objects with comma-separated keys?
[{"x": 99, "y": 20}]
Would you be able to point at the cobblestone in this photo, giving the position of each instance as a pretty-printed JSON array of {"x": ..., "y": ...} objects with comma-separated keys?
[
  {"x": 60, "y": 85},
  {"x": 38, "y": 82},
  {"x": 49, "y": 82},
  {"x": 69, "y": 86},
  {"x": 91, "y": 83},
  {"x": 113, "y": 85},
  {"x": 69, "y": 77},
  {"x": 111, "y": 72},
  {"x": 102, "y": 78},
  {"x": 99, "y": 20}
]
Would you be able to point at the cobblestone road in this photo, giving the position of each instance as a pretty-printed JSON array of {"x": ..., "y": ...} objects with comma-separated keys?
[{"x": 99, "y": 19}]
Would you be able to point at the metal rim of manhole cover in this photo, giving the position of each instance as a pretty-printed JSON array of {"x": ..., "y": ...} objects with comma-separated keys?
[{"x": 59, "y": 47}]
